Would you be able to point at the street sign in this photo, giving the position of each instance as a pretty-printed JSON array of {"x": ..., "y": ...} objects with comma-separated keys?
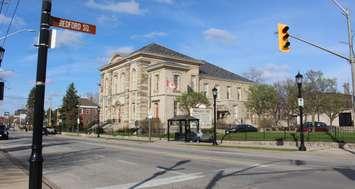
[
  {"x": 150, "y": 115},
  {"x": 300, "y": 102},
  {"x": 73, "y": 25}
]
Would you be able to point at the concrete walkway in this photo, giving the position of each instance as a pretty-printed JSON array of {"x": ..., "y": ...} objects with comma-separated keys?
[{"x": 13, "y": 176}]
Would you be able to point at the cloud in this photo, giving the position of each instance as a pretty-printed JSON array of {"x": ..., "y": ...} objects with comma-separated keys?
[
  {"x": 128, "y": 7},
  {"x": 120, "y": 50},
  {"x": 30, "y": 58},
  {"x": 150, "y": 35},
  {"x": 103, "y": 59},
  {"x": 16, "y": 22},
  {"x": 105, "y": 19},
  {"x": 68, "y": 38},
  {"x": 6, "y": 73},
  {"x": 166, "y": 1},
  {"x": 271, "y": 73},
  {"x": 214, "y": 34},
  {"x": 276, "y": 72}
]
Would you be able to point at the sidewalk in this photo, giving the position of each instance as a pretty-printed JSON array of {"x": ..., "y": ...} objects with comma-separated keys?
[{"x": 13, "y": 176}]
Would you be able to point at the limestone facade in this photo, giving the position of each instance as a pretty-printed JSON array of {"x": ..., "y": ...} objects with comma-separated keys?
[{"x": 150, "y": 79}]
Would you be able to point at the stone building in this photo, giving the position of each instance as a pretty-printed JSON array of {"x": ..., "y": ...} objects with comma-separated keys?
[{"x": 149, "y": 80}]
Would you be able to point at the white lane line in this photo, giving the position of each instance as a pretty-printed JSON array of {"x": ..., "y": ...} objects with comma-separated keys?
[
  {"x": 126, "y": 162},
  {"x": 157, "y": 182}
]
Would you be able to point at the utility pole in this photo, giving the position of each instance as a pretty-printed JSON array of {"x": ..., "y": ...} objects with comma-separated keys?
[
  {"x": 36, "y": 159},
  {"x": 346, "y": 13}
]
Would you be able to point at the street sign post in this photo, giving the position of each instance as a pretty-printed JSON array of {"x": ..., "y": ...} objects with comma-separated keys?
[
  {"x": 47, "y": 20},
  {"x": 300, "y": 102},
  {"x": 73, "y": 25}
]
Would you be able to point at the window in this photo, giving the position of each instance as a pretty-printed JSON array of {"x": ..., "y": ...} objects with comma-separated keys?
[
  {"x": 218, "y": 92},
  {"x": 115, "y": 85},
  {"x": 177, "y": 82},
  {"x": 134, "y": 79},
  {"x": 119, "y": 114},
  {"x": 175, "y": 108},
  {"x": 205, "y": 89},
  {"x": 193, "y": 82},
  {"x": 228, "y": 92},
  {"x": 239, "y": 93},
  {"x": 156, "y": 109},
  {"x": 106, "y": 86},
  {"x": 156, "y": 83},
  {"x": 122, "y": 82},
  {"x": 133, "y": 111}
]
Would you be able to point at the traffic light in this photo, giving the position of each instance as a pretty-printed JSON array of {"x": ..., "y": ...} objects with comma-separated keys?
[
  {"x": 1, "y": 90},
  {"x": 282, "y": 32}
]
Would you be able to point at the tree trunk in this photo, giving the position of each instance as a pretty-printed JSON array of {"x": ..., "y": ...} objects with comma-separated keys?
[{"x": 313, "y": 125}]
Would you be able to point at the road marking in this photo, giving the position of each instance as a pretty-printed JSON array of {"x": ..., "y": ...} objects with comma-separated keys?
[
  {"x": 126, "y": 162},
  {"x": 157, "y": 182}
]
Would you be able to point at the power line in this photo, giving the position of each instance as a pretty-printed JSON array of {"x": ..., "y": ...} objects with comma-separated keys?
[
  {"x": 12, "y": 19},
  {"x": 7, "y": 5},
  {"x": 2, "y": 4}
]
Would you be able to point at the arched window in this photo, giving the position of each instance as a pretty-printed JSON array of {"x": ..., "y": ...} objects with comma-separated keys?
[
  {"x": 134, "y": 79},
  {"x": 114, "y": 86},
  {"x": 122, "y": 82}
]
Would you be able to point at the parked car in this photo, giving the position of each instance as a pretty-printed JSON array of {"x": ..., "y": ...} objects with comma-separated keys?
[
  {"x": 51, "y": 130},
  {"x": 45, "y": 131},
  {"x": 241, "y": 128},
  {"x": 195, "y": 137},
  {"x": 4, "y": 134},
  {"x": 319, "y": 127}
]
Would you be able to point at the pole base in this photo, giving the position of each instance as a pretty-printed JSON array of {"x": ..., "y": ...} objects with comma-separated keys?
[{"x": 302, "y": 148}]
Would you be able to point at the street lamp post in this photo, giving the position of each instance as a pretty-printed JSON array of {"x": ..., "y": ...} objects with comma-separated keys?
[
  {"x": 98, "y": 121},
  {"x": 299, "y": 78},
  {"x": 214, "y": 92}
]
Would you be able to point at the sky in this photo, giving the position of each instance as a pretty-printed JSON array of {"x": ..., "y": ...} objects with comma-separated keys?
[{"x": 237, "y": 35}]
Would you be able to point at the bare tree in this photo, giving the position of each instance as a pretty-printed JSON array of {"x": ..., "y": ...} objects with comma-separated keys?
[
  {"x": 315, "y": 84},
  {"x": 255, "y": 75}
]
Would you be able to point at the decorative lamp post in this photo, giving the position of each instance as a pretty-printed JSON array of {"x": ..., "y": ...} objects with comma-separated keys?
[
  {"x": 214, "y": 93},
  {"x": 299, "y": 79},
  {"x": 2, "y": 51}
]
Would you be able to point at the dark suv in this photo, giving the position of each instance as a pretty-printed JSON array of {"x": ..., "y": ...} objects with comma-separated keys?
[
  {"x": 3, "y": 132},
  {"x": 241, "y": 128}
]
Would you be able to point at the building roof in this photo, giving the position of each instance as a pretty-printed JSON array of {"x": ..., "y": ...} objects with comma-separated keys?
[
  {"x": 214, "y": 71},
  {"x": 86, "y": 102},
  {"x": 157, "y": 49},
  {"x": 183, "y": 118},
  {"x": 206, "y": 68}
]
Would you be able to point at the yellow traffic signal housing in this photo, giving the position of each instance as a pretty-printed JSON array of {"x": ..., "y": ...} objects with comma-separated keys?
[{"x": 282, "y": 32}]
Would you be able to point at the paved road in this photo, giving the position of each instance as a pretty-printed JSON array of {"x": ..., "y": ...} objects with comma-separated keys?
[{"x": 106, "y": 164}]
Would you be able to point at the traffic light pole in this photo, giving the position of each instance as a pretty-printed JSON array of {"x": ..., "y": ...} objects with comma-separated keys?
[
  {"x": 351, "y": 59},
  {"x": 36, "y": 159}
]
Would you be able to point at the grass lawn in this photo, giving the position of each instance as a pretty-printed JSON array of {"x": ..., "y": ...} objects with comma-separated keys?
[{"x": 290, "y": 136}]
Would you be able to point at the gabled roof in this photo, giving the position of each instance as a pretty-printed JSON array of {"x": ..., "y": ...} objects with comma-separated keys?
[
  {"x": 212, "y": 70},
  {"x": 86, "y": 102},
  {"x": 157, "y": 49}
]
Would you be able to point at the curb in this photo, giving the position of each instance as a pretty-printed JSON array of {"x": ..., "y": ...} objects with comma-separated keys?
[{"x": 23, "y": 167}]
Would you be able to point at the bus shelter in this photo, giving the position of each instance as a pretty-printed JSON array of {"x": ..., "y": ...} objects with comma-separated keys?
[{"x": 183, "y": 122}]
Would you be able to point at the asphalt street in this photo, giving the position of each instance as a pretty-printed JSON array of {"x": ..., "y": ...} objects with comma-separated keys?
[{"x": 73, "y": 162}]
